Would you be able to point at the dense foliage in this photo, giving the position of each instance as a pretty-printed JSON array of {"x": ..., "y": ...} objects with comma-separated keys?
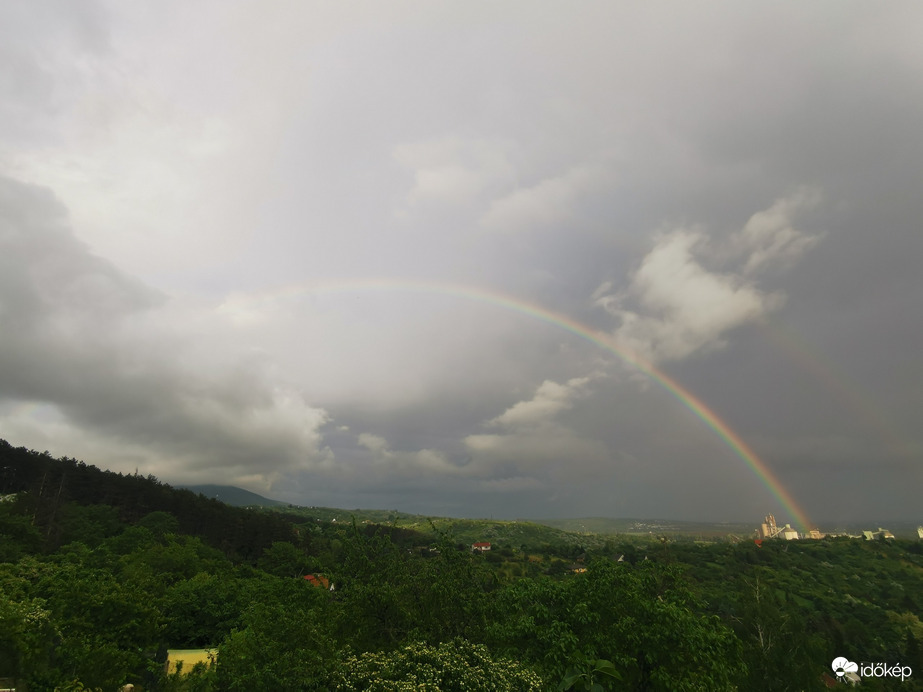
[{"x": 101, "y": 573}]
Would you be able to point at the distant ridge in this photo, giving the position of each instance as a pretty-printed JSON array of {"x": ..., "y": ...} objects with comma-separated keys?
[
  {"x": 626, "y": 525},
  {"x": 231, "y": 495}
]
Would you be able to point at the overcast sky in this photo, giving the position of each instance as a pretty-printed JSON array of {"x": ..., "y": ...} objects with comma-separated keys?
[{"x": 241, "y": 243}]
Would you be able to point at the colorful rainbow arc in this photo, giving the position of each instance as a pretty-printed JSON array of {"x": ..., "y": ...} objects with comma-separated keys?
[{"x": 694, "y": 404}]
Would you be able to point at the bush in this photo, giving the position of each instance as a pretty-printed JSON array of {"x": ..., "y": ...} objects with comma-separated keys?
[{"x": 452, "y": 666}]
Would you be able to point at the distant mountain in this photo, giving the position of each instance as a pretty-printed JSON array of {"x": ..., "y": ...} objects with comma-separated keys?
[{"x": 230, "y": 495}]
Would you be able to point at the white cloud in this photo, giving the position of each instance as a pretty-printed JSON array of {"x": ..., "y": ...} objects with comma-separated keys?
[
  {"x": 550, "y": 399},
  {"x": 550, "y": 202},
  {"x": 770, "y": 240},
  {"x": 374, "y": 443},
  {"x": 675, "y": 307},
  {"x": 529, "y": 451},
  {"x": 453, "y": 171}
]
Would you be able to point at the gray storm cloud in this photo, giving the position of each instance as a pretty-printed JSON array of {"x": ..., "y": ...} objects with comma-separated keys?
[
  {"x": 82, "y": 337},
  {"x": 686, "y": 178}
]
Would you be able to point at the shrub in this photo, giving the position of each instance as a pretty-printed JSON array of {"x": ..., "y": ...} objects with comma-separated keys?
[{"x": 449, "y": 667}]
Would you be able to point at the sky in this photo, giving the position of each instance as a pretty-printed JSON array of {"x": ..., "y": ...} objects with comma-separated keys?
[{"x": 520, "y": 259}]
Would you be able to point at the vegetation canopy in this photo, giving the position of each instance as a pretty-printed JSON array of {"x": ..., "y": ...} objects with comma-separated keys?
[{"x": 101, "y": 575}]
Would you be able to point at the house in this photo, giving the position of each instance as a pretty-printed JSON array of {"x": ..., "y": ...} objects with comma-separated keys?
[
  {"x": 182, "y": 661},
  {"x": 318, "y": 580},
  {"x": 481, "y": 547}
]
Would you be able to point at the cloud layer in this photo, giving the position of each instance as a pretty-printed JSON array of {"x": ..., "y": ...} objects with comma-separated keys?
[{"x": 207, "y": 238}]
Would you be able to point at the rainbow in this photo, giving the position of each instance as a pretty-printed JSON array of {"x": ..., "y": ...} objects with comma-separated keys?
[{"x": 600, "y": 339}]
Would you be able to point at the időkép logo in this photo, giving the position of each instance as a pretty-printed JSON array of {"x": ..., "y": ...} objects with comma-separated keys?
[{"x": 841, "y": 666}]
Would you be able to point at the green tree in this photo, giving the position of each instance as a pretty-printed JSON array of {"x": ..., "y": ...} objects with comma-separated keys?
[
  {"x": 178, "y": 557},
  {"x": 374, "y": 592},
  {"x": 642, "y": 619},
  {"x": 160, "y": 524},
  {"x": 284, "y": 560},
  {"x": 202, "y": 611},
  {"x": 104, "y": 625},
  {"x": 27, "y": 634},
  {"x": 88, "y": 524},
  {"x": 780, "y": 651},
  {"x": 284, "y": 645},
  {"x": 18, "y": 537}
]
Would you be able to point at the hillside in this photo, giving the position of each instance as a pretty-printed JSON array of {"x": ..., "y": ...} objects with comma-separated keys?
[
  {"x": 518, "y": 534},
  {"x": 231, "y": 495},
  {"x": 63, "y": 498}
]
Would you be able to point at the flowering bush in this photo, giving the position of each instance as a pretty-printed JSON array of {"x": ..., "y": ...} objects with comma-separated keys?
[{"x": 450, "y": 667}]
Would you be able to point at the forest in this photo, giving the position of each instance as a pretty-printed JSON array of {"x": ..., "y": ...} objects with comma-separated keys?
[{"x": 101, "y": 574}]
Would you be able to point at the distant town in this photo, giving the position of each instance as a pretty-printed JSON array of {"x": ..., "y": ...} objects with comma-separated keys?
[{"x": 769, "y": 529}]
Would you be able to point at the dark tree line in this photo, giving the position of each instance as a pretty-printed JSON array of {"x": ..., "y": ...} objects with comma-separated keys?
[{"x": 51, "y": 485}]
